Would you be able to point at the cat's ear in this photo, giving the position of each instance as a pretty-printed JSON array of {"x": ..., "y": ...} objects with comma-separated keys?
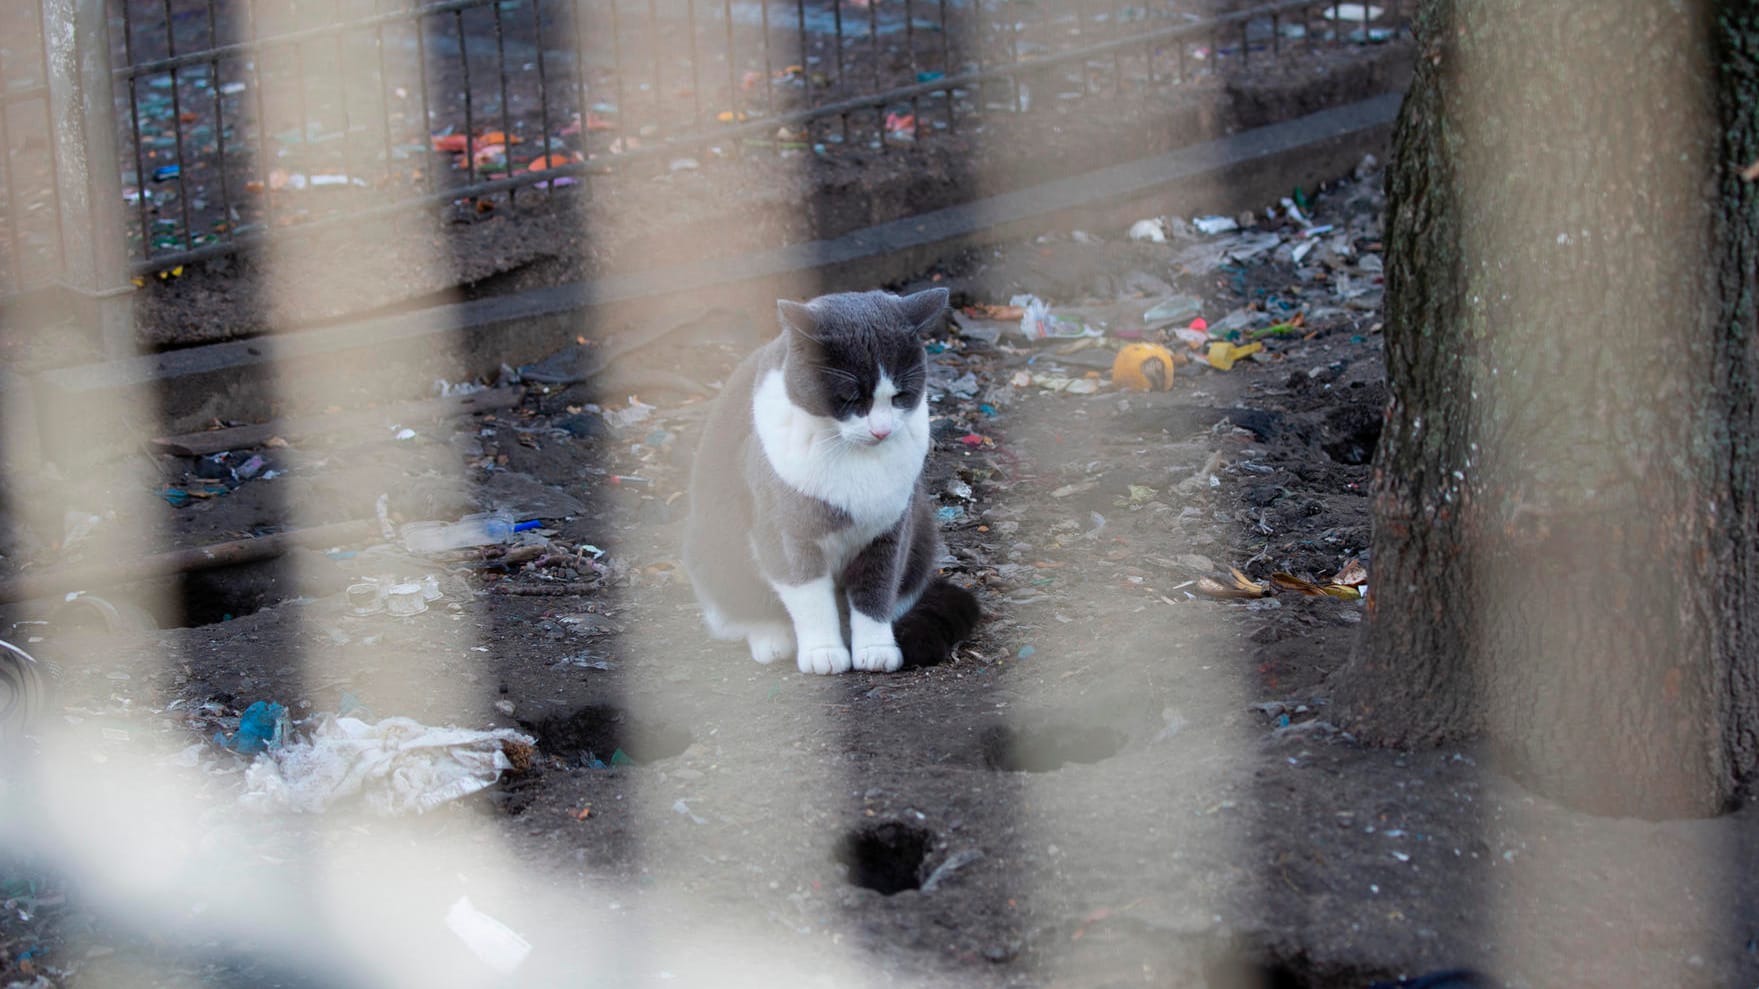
[
  {"x": 797, "y": 319},
  {"x": 925, "y": 309}
]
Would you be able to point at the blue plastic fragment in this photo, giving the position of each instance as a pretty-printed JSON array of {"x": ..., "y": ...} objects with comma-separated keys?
[
  {"x": 528, "y": 524},
  {"x": 949, "y": 513},
  {"x": 258, "y": 729},
  {"x": 621, "y": 758},
  {"x": 930, "y": 76},
  {"x": 988, "y": 410},
  {"x": 165, "y": 173},
  {"x": 1026, "y": 652}
]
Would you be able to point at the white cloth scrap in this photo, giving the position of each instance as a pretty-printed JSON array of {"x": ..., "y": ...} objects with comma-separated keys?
[{"x": 397, "y": 765}]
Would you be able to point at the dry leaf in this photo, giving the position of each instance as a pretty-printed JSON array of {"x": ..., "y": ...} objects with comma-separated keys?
[
  {"x": 1216, "y": 589},
  {"x": 1243, "y": 587},
  {"x": 1290, "y": 582}
]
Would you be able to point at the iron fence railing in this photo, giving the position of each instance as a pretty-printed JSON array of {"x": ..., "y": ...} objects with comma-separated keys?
[{"x": 235, "y": 118}]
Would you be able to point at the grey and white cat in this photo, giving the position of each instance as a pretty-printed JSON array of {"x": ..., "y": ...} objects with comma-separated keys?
[{"x": 805, "y": 502}]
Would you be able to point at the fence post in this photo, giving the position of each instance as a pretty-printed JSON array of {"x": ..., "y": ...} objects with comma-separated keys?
[{"x": 82, "y": 113}]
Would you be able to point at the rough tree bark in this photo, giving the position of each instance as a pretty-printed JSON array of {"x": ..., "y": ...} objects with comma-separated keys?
[{"x": 1566, "y": 504}]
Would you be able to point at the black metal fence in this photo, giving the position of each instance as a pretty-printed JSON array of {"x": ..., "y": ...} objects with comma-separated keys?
[{"x": 236, "y": 118}]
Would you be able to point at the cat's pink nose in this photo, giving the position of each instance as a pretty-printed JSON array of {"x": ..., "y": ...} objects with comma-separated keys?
[{"x": 879, "y": 434}]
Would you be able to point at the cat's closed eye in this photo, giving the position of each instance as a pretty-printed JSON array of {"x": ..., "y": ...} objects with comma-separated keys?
[{"x": 904, "y": 400}]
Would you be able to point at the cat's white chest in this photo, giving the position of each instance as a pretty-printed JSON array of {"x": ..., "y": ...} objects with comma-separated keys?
[{"x": 873, "y": 485}]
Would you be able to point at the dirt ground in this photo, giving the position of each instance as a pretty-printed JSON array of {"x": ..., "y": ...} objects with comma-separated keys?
[{"x": 1117, "y": 781}]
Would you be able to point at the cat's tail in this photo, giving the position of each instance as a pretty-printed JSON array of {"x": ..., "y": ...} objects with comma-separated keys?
[{"x": 943, "y": 615}]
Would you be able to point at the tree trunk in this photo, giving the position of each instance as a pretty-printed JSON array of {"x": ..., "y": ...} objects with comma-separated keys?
[{"x": 1566, "y": 501}]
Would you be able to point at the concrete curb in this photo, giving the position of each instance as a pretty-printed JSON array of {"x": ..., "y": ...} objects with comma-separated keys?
[{"x": 80, "y": 406}]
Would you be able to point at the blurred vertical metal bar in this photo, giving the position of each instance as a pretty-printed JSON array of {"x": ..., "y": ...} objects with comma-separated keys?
[
  {"x": 579, "y": 19},
  {"x": 83, "y": 138},
  {"x": 616, "y": 65},
  {"x": 873, "y": 34},
  {"x": 910, "y": 50},
  {"x": 427, "y": 121},
  {"x": 947, "y": 66},
  {"x": 1014, "y": 58},
  {"x": 469, "y": 108},
  {"x": 733, "y": 101},
  {"x": 219, "y": 125},
  {"x": 385, "y": 104},
  {"x": 769, "y": 68},
  {"x": 140, "y": 169},
  {"x": 1117, "y": 16},
  {"x": 837, "y": 16},
  {"x": 837, "y": 20},
  {"x": 653, "y": 46},
  {"x": 177, "y": 129},
  {"x": 1081, "y": 31},
  {"x": 543, "y": 89},
  {"x": 695, "y": 63},
  {"x": 263, "y": 159},
  {"x": 506, "y": 109},
  {"x": 805, "y": 76},
  {"x": 12, "y": 277},
  {"x": 342, "y": 102}
]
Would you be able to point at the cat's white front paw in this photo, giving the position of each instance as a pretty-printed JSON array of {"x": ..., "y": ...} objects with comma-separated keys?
[
  {"x": 824, "y": 659},
  {"x": 771, "y": 642},
  {"x": 879, "y": 659}
]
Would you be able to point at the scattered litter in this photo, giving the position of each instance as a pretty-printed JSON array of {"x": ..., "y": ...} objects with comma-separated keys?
[
  {"x": 1223, "y": 355},
  {"x": 180, "y": 497},
  {"x": 1037, "y": 322},
  {"x": 1354, "y": 574},
  {"x": 263, "y": 727},
  {"x": 397, "y": 765},
  {"x": 1152, "y": 230},
  {"x": 447, "y": 389},
  {"x": 481, "y": 529},
  {"x": 683, "y": 808},
  {"x": 638, "y": 411},
  {"x": 1177, "y": 309},
  {"x": 488, "y": 939},
  {"x": 953, "y": 863},
  {"x": 404, "y": 600},
  {"x": 1213, "y": 225},
  {"x": 1347, "y": 12},
  {"x": 22, "y": 693},
  {"x": 1144, "y": 367}
]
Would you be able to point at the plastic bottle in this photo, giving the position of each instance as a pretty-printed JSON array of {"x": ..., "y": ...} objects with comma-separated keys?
[{"x": 483, "y": 529}]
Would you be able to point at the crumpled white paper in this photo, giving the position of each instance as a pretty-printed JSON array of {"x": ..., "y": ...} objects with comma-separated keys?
[{"x": 396, "y": 766}]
